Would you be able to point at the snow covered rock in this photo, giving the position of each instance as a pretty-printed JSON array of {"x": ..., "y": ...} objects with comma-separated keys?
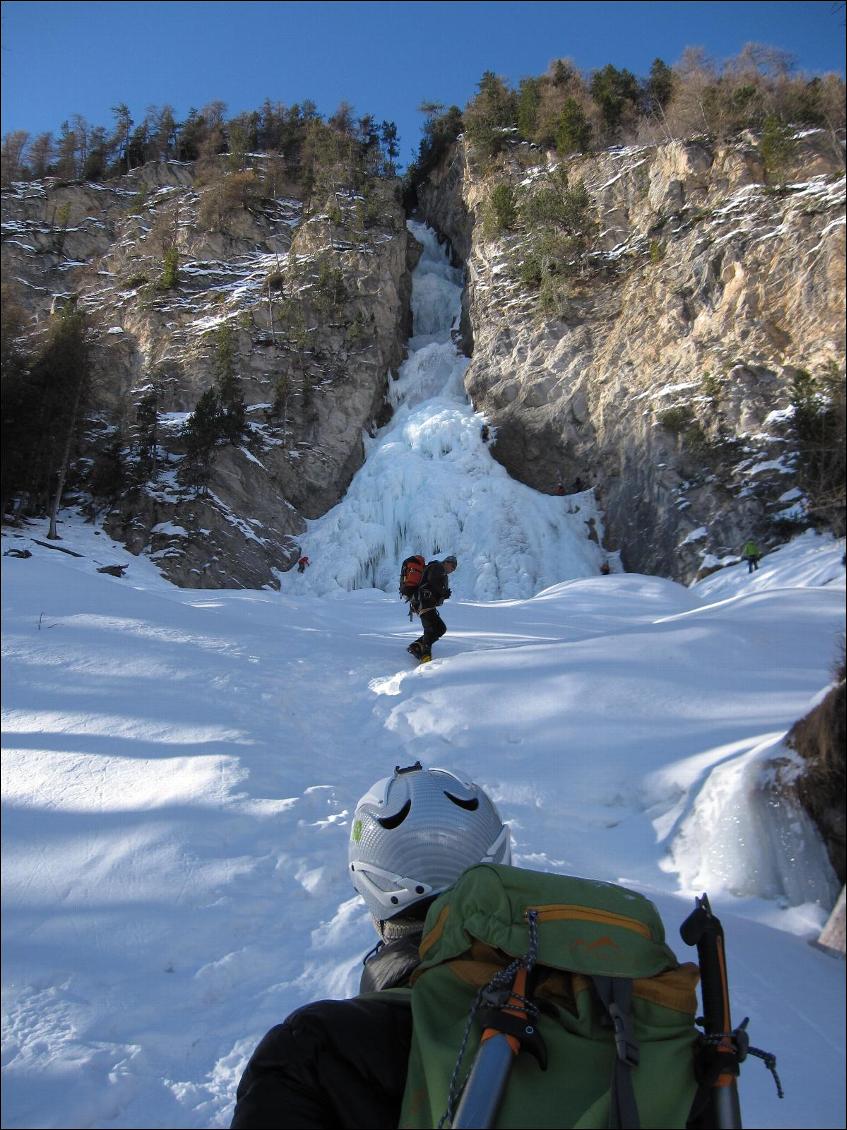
[
  {"x": 704, "y": 292},
  {"x": 317, "y": 299}
]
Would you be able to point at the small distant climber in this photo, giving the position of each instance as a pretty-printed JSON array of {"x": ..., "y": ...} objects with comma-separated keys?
[
  {"x": 485, "y": 433},
  {"x": 302, "y": 563},
  {"x": 577, "y": 485},
  {"x": 425, "y": 601},
  {"x": 560, "y": 487},
  {"x": 751, "y": 554}
]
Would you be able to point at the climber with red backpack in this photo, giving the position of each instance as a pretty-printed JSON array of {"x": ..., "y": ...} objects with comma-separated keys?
[
  {"x": 480, "y": 962},
  {"x": 426, "y": 587}
]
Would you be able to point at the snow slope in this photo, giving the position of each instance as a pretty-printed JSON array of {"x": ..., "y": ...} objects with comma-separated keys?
[{"x": 180, "y": 770}]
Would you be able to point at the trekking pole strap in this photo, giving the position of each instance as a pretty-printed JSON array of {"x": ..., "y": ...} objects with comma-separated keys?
[
  {"x": 743, "y": 1048},
  {"x": 770, "y": 1063}
]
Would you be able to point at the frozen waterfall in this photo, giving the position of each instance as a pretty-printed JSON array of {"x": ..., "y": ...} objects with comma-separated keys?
[{"x": 430, "y": 485}]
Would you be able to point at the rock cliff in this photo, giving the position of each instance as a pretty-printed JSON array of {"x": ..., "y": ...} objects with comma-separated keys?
[
  {"x": 317, "y": 306},
  {"x": 664, "y": 378}
]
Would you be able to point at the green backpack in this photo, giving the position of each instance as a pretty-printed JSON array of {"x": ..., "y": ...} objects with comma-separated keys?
[{"x": 589, "y": 942}]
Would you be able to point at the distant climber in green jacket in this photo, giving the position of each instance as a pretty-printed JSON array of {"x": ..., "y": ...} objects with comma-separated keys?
[{"x": 751, "y": 554}]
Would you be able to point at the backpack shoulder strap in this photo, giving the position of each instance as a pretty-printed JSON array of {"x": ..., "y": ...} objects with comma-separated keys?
[
  {"x": 615, "y": 994},
  {"x": 434, "y": 578}
]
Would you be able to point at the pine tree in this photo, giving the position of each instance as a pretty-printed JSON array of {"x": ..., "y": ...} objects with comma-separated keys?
[
  {"x": 163, "y": 132},
  {"x": 440, "y": 129},
  {"x": 573, "y": 134},
  {"x": 528, "y": 102},
  {"x": 147, "y": 422},
  {"x": 232, "y": 410},
  {"x": 492, "y": 112},
  {"x": 616, "y": 94},
  {"x": 282, "y": 391},
  {"x": 14, "y": 148},
  {"x": 500, "y": 213},
  {"x": 41, "y": 153},
  {"x": 390, "y": 147},
  {"x": 97, "y": 158},
  {"x": 777, "y": 148},
  {"x": 170, "y": 270},
  {"x": 200, "y": 435},
  {"x": 818, "y": 425},
  {"x": 138, "y": 148},
  {"x": 241, "y": 138},
  {"x": 108, "y": 476},
  {"x": 659, "y": 86},
  {"x": 59, "y": 381},
  {"x": 66, "y": 153},
  {"x": 19, "y": 405},
  {"x": 123, "y": 125},
  {"x": 562, "y": 73},
  {"x": 191, "y": 136},
  {"x": 560, "y": 224}
]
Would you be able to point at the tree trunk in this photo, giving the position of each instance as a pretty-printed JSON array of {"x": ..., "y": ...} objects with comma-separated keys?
[
  {"x": 271, "y": 314},
  {"x": 52, "y": 533}
]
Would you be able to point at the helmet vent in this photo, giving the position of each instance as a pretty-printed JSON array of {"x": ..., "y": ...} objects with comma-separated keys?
[
  {"x": 470, "y": 805},
  {"x": 397, "y": 819}
]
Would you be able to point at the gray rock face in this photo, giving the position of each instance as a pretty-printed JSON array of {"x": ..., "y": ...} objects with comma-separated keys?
[
  {"x": 665, "y": 378},
  {"x": 832, "y": 937},
  {"x": 819, "y": 740},
  {"x": 317, "y": 307}
]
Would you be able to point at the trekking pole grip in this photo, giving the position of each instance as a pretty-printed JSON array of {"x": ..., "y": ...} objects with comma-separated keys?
[
  {"x": 508, "y": 1030},
  {"x": 486, "y": 1083},
  {"x": 703, "y": 930}
]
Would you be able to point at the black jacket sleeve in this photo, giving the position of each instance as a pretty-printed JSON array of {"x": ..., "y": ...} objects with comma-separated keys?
[{"x": 334, "y": 1064}]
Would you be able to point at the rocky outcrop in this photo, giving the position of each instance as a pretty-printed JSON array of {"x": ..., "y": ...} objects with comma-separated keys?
[
  {"x": 664, "y": 378},
  {"x": 809, "y": 779},
  {"x": 832, "y": 937},
  {"x": 819, "y": 740},
  {"x": 317, "y": 308}
]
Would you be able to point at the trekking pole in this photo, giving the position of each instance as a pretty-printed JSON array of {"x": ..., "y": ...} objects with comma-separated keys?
[
  {"x": 703, "y": 930},
  {"x": 507, "y": 1030}
]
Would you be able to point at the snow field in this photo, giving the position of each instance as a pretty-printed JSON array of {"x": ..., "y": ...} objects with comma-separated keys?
[{"x": 181, "y": 768}]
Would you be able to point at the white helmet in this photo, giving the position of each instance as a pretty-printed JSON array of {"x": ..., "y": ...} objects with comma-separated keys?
[{"x": 415, "y": 833}]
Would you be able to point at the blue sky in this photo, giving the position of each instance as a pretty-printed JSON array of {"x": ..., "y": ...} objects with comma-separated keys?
[{"x": 62, "y": 58}]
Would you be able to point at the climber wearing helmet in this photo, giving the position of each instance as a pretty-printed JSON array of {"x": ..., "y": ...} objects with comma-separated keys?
[
  {"x": 431, "y": 593},
  {"x": 343, "y": 1063},
  {"x": 413, "y": 835}
]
